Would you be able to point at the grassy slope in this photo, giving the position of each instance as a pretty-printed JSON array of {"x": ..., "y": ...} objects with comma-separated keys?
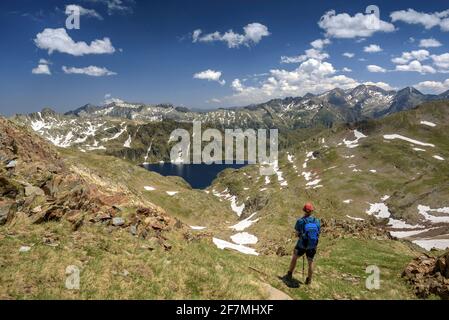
[
  {"x": 198, "y": 269},
  {"x": 195, "y": 270}
]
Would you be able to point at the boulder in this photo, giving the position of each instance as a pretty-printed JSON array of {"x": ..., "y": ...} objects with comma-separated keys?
[
  {"x": 118, "y": 221},
  {"x": 11, "y": 164},
  {"x": 33, "y": 191}
]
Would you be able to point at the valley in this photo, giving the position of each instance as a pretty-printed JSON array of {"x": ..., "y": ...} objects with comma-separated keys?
[{"x": 380, "y": 185}]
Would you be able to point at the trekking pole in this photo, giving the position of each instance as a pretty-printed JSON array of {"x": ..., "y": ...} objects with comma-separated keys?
[{"x": 303, "y": 273}]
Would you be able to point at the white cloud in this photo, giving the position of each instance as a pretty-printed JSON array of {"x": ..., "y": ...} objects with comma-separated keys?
[
  {"x": 374, "y": 68},
  {"x": 441, "y": 61},
  {"x": 372, "y": 48},
  {"x": 415, "y": 66},
  {"x": 406, "y": 57},
  {"x": 108, "y": 99},
  {"x": 345, "y": 26},
  {"x": 209, "y": 75},
  {"x": 434, "y": 87},
  {"x": 213, "y": 100},
  {"x": 429, "y": 43},
  {"x": 41, "y": 69},
  {"x": 345, "y": 69},
  {"x": 428, "y": 20},
  {"x": 349, "y": 55},
  {"x": 253, "y": 34},
  {"x": 320, "y": 43},
  {"x": 69, "y": 9},
  {"x": 58, "y": 40},
  {"x": 312, "y": 75},
  {"x": 120, "y": 6},
  {"x": 382, "y": 85},
  {"x": 309, "y": 54},
  {"x": 92, "y": 71}
]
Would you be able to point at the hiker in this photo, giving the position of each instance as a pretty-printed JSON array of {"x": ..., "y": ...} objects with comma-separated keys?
[{"x": 308, "y": 231}]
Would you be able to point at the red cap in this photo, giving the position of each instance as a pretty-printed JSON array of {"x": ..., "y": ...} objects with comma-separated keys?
[{"x": 308, "y": 207}]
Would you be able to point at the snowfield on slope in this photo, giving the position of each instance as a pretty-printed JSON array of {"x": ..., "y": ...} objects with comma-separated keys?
[
  {"x": 354, "y": 143},
  {"x": 245, "y": 224},
  {"x": 222, "y": 244},
  {"x": 413, "y": 141}
]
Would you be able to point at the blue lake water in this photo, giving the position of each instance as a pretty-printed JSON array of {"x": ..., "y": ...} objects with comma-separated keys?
[{"x": 199, "y": 176}]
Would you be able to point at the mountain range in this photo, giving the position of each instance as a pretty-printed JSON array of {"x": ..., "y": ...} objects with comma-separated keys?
[{"x": 139, "y": 132}]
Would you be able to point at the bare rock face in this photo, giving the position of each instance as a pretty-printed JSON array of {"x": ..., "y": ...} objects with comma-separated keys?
[{"x": 429, "y": 275}]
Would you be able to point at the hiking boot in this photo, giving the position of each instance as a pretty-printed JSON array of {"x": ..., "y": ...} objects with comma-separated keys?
[
  {"x": 288, "y": 277},
  {"x": 308, "y": 280}
]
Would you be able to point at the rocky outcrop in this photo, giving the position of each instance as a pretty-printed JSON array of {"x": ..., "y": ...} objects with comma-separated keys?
[
  {"x": 357, "y": 229},
  {"x": 429, "y": 275},
  {"x": 43, "y": 187}
]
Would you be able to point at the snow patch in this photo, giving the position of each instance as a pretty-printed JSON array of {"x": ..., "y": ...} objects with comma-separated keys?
[
  {"x": 354, "y": 143},
  {"x": 244, "y": 238},
  {"x": 397, "y": 136},
  {"x": 197, "y": 228},
  {"x": 222, "y": 244},
  {"x": 425, "y": 211},
  {"x": 245, "y": 224},
  {"x": 429, "y": 244},
  {"x": 354, "y": 218},
  {"x": 427, "y": 123}
]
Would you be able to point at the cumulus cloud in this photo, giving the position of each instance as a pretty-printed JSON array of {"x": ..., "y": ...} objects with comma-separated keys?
[
  {"x": 309, "y": 54},
  {"x": 412, "y": 61},
  {"x": 428, "y": 20},
  {"x": 312, "y": 75},
  {"x": 210, "y": 75},
  {"x": 252, "y": 34},
  {"x": 435, "y": 87},
  {"x": 349, "y": 55},
  {"x": 429, "y": 43},
  {"x": 58, "y": 40},
  {"x": 372, "y": 48},
  {"x": 441, "y": 61},
  {"x": 376, "y": 69},
  {"x": 406, "y": 57},
  {"x": 69, "y": 9},
  {"x": 382, "y": 85},
  {"x": 345, "y": 69},
  {"x": 320, "y": 43},
  {"x": 344, "y": 25},
  {"x": 92, "y": 71},
  {"x": 415, "y": 66},
  {"x": 41, "y": 69},
  {"x": 108, "y": 99}
]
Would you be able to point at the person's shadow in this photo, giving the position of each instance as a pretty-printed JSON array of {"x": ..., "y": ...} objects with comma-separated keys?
[{"x": 291, "y": 283}]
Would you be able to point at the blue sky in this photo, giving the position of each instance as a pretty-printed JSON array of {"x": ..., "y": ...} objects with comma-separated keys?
[{"x": 148, "y": 51}]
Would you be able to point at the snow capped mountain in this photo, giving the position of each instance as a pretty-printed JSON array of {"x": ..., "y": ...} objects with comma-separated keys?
[{"x": 93, "y": 127}]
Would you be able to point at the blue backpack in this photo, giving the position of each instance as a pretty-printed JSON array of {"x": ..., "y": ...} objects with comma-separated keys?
[{"x": 311, "y": 235}]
